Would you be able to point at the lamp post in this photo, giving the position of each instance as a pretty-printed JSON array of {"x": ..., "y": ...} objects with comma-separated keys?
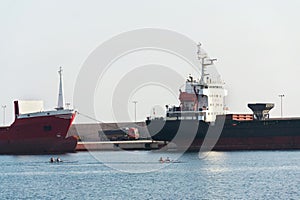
[
  {"x": 68, "y": 105},
  {"x": 281, "y": 96},
  {"x": 4, "y": 107},
  {"x": 135, "y": 102}
]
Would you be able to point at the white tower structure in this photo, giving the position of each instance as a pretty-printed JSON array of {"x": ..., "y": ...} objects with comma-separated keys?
[{"x": 60, "y": 102}]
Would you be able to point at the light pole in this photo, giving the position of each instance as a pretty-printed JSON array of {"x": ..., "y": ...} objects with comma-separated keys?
[
  {"x": 4, "y": 107},
  {"x": 135, "y": 102},
  {"x": 68, "y": 105},
  {"x": 281, "y": 96}
]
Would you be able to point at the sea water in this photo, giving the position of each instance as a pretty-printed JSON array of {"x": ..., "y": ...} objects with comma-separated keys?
[{"x": 139, "y": 175}]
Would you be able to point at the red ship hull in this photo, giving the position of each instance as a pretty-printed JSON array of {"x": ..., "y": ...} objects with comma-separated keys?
[{"x": 39, "y": 133}]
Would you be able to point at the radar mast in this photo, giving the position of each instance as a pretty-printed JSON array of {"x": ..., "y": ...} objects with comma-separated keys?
[{"x": 203, "y": 57}]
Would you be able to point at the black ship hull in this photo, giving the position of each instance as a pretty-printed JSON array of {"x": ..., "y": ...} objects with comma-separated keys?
[{"x": 270, "y": 134}]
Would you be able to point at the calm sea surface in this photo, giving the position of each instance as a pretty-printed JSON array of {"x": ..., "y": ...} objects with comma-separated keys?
[{"x": 139, "y": 175}]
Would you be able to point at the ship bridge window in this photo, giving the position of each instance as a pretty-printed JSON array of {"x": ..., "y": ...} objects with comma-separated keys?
[{"x": 47, "y": 128}]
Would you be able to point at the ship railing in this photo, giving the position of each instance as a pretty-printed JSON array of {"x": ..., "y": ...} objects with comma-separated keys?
[{"x": 185, "y": 114}]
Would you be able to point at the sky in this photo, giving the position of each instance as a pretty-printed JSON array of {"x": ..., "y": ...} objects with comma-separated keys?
[{"x": 256, "y": 43}]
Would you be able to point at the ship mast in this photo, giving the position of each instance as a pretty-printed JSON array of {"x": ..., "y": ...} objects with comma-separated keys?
[
  {"x": 202, "y": 58},
  {"x": 60, "y": 102}
]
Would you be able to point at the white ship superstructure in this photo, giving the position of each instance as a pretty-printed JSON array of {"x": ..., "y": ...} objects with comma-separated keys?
[{"x": 202, "y": 99}]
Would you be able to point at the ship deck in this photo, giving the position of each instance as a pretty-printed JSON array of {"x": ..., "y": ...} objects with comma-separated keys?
[{"x": 284, "y": 118}]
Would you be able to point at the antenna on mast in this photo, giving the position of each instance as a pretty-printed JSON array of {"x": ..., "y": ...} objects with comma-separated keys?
[
  {"x": 60, "y": 102},
  {"x": 203, "y": 58},
  {"x": 199, "y": 51}
]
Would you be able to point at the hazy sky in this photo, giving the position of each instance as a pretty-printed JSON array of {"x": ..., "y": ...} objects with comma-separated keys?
[{"x": 257, "y": 44}]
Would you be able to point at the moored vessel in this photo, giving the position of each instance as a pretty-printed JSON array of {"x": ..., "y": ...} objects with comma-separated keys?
[
  {"x": 39, "y": 132},
  {"x": 202, "y": 122}
]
